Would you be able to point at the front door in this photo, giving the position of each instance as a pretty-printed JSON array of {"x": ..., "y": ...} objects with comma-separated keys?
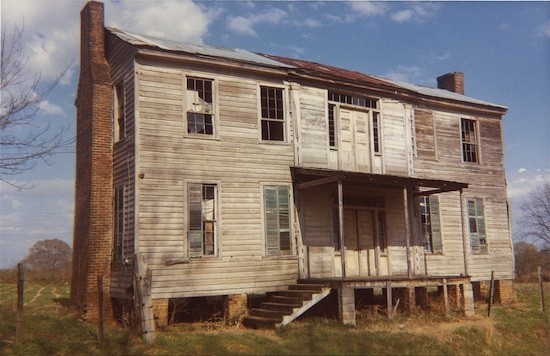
[{"x": 360, "y": 232}]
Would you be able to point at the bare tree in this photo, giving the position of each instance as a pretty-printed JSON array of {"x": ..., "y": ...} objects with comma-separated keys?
[
  {"x": 24, "y": 140},
  {"x": 535, "y": 220},
  {"x": 49, "y": 260}
]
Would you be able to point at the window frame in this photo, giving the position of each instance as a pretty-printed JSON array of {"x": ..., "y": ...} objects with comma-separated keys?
[
  {"x": 475, "y": 143},
  {"x": 119, "y": 221},
  {"x": 292, "y": 247},
  {"x": 433, "y": 247},
  {"x": 119, "y": 112},
  {"x": 215, "y": 108},
  {"x": 286, "y": 114},
  {"x": 216, "y": 220},
  {"x": 482, "y": 249}
]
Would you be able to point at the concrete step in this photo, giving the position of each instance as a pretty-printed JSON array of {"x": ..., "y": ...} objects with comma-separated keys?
[
  {"x": 267, "y": 313},
  {"x": 258, "y": 322},
  {"x": 296, "y": 302},
  {"x": 312, "y": 287}
]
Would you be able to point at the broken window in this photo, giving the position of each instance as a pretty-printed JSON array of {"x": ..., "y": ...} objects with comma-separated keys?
[
  {"x": 272, "y": 111},
  {"x": 202, "y": 219},
  {"x": 430, "y": 223},
  {"x": 200, "y": 106},
  {"x": 119, "y": 122},
  {"x": 118, "y": 219},
  {"x": 470, "y": 147},
  {"x": 277, "y": 220},
  {"x": 476, "y": 222}
]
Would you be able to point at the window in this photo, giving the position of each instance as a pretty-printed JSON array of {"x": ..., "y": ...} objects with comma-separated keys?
[
  {"x": 273, "y": 117},
  {"x": 382, "y": 239},
  {"x": 118, "y": 219},
  {"x": 200, "y": 107},
  {"x": 353, "y": 100},
  {"x": 430, "y": 224},
  {"x": 119, "y": 113},
  {"x": 202, "y": 219},
  {"x": 331, "y": 126},
  {"x": 376, "y": 132},
  {"x": 470, "y": 147},
  {"x": 277, "y": 220},
  {"x": 476, "y": 222}
]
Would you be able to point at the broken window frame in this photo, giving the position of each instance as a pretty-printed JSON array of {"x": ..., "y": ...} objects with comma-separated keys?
[
  {"x": 272, "y": 113},
  {"x": 199, "y": 112},
  {"x": 477, "y": 227},
  {"x": 430, "y": 224},
  {"x": 202, "y": 235},
  {"x": 118, "y": 221},
  {"x": 277, "y": 236},
  {"x": 469, "y": 140},
  {"x": 119, "y": 112}
]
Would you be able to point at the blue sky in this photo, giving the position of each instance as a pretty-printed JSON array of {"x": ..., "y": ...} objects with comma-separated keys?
[{"x": 502, "y": 47}]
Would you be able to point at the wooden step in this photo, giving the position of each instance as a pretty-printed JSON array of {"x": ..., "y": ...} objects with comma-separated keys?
[
  {"x": 295, "y": 302},
  {"x": 282, "y": 307},
  {"x": 314, "y": 287},
  {"x": 268, "y": 313},
  {"x": 258, "y": 322},
  {"x": 302, "y": 294}
]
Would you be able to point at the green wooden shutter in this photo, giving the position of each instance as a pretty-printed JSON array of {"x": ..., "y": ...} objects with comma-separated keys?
[
  {"x": 437, "y": 243},
  {"x": 480, "y": 215},
  {"x": 284, "y": 218},
  {"x": 271, "y": 221},
  {"x": 194, "y": 200}
]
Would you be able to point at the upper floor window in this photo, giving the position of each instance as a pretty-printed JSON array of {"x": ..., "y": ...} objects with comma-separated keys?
[
  {"x": 476, "y": 222},
  {"x": 376, "y": 132},
  {"x": 272, "y": 111},
  {"x": 200, "y": 106},
  {"x": 470, "y": 146},
  {"x": 331, "y": 126},
  {"x": 430, "y": 224},
  {"x": 277, "y": 219},
  {"x": 201, "y": 199},
  {"x": 119, "y": 113}
]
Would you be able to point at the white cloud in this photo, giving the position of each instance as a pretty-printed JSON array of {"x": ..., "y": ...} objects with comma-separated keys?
[
  {"x": 404, "y": 73},
  {"x": 544, "y": 29},
  {"x": 523, "y": 183},
  {"x": 522, "y": 170},
  {"x": 50, "y": 108},
  {"x": 416, "y": 12},
  {"x": 368, "y": 8},
  {"x": 244, "y": 25}
]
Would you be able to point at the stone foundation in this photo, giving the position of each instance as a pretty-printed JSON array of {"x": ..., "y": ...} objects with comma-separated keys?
[
  {"x": 504, "y": 291},
  {"x": 160, "y": 312},
  {"x": 235, "y": 307},
  {"x": 346, "y": 306}
]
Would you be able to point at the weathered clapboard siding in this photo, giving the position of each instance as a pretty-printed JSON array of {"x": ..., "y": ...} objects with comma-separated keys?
[
  {"x": 394, "y": 137},
  {"x": 120, "y": 57},
  {"x": 313, "y": 137},
  {"x": 234, "y": 160},
  {"x": 486, "y": 180}
]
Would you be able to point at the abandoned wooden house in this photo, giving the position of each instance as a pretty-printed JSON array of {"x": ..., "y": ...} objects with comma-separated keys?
[{"x": 206, "y": 171}]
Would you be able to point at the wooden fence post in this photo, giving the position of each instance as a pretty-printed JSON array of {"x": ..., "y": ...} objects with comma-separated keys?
[
  {"x": 491, "y": 290},
  {"x": 541, "y": 282},
  {"x": 101, "y": 335},
  {"x": 19, "y": 328}
]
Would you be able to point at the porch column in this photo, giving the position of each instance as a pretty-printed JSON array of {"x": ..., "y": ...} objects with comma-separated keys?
[
  {"x": 464, "y": 234},
  {"x": 407, "y": 229},
  {"x": 346, "y": 305},
  {"x": 341, "y": 227}
]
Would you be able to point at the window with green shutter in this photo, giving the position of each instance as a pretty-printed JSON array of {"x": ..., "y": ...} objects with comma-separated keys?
[
  {"x": 201, "y": 199},
  {"x": 430, "y": 222},
  {"x": 277, "y": 220},
  {"x": 476, "y": 223}
]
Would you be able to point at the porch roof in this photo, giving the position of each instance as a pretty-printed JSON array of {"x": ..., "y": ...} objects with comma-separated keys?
[{"x": 310, "y": 177}]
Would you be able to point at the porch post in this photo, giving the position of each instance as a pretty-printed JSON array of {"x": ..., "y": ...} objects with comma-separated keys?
[
  {"x": 464, "y": 234},
  {"x": 341, "y": 227},
  {"x": 407, "y": 229}
]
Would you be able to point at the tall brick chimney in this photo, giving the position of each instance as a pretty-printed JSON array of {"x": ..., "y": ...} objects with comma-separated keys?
[
  {"x": 452, "y": 82},
  {"x": 93, "y": 218}
]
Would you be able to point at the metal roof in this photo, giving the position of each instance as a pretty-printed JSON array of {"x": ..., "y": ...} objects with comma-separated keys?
[
  {"x": 211, "y": 51},
  {"x": 299, "y": 66}
]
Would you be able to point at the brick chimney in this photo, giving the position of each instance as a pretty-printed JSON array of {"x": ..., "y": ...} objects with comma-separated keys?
[
  {"x": 452, "y": 82},
  {"x": 93, "y": 218}
]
